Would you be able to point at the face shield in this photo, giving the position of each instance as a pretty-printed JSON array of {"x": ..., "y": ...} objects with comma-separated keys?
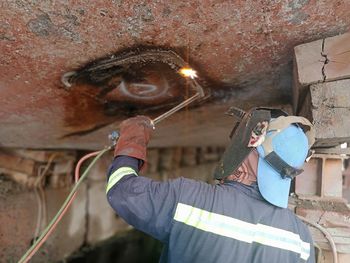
[{"x": 271, "y": 132}]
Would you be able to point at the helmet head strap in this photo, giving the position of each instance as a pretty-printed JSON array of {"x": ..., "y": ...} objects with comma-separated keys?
[
  {"x": 271, "y": 157},
  {"x": 245, "y": 123}
]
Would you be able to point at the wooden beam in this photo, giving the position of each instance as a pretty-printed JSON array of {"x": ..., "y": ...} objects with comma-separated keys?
[
  {"x": 328, "y": 106},
  {"x": 17, "y": 164},
  {"x": 319, "y": 61}
]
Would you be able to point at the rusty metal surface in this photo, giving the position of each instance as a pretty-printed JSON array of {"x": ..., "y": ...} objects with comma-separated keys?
[
  {"x": 142, "y": 81},
  {"x": 242, "y": 48}
]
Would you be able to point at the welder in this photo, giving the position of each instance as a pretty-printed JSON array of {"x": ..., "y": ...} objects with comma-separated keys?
[{"x": 243, "y": 218}]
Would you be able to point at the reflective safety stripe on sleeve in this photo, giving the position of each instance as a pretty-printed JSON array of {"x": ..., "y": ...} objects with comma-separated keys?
[
  {"x": 240, "y": 230},
  {"x": 117, "y": 175}
]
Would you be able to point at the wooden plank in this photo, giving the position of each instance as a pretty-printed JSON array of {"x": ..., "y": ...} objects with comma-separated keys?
[
  {"x": 319, "y": 61},
  {"x": 44, "y": 156},
  {"x": 309, "y": 62},
  {"x": 335, "y": 222},
  {"x": 307, "y": 69},
  {"x": 340, "y": 248},
  {"x": 332, "y": 53},
  {"x": 319, "y": 237},
  {"x": 17, "y": 164},
  {"x": 341, "y": 238},
  {"x": 340, "y": 231},
  {"x": 328, "y": 106}
]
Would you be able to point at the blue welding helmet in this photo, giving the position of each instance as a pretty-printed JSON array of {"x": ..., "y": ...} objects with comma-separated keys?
[
  {"x": 292, "y": 147},
  {"x": 283, "y": 143}
]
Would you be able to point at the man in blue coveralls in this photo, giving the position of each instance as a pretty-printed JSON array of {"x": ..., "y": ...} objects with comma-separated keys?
[{"x": 244, "y": 218}]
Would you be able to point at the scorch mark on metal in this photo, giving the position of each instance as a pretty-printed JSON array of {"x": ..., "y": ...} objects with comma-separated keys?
[{"x": 140, "y": 81}]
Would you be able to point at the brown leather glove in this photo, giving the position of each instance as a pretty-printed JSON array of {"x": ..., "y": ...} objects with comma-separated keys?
[{"x": 134, "y": 137}]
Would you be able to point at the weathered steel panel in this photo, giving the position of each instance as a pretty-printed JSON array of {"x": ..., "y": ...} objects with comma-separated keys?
[{"x": 244, "y": 48}]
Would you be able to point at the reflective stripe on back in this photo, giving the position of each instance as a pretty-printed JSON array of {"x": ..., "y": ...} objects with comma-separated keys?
[
  {"x": 240, "y": 230},
  {"x": 117, "y": 175}
]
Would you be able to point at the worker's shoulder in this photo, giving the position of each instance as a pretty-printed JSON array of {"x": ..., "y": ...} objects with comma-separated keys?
[
  {"x": 202, "y": 187},
  {"x": 187, "y": 182},
  {"x": 294, "y": 217},
  {"x": 297, "y": 224},
  {"x": 187, "y": 185}
]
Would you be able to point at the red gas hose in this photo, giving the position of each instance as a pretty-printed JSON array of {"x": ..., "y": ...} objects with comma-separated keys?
[{"x": 47, "y": 232}]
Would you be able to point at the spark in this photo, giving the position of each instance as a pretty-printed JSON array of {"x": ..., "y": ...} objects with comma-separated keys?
[
  {"x": 188, "y": 72},
  {"x": 343, "y": 145}
]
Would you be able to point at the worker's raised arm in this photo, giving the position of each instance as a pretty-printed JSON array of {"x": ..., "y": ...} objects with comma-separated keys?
[{"x": 143, "y": 203}]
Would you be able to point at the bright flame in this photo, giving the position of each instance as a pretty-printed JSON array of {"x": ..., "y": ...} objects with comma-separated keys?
[
  {"x": 344, "y": 145},
  {"x": 188, "y": 72}
]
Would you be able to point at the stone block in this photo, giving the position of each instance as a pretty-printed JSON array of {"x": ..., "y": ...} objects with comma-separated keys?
[
  {"x": 19, "y": 215},
  {"x": 71, "y": 227},
  {"x": 103, "y": 222},
  {"x": 210, "y": 154},
  {"x": 18, "y": 210},
  {"x": 153, "y": 160},
  {"x": 98, "y": 172},
  {"x": 169, "y": 158},
  {"x": 189, "y": 157},
  {"x": 201, "y": 172}
]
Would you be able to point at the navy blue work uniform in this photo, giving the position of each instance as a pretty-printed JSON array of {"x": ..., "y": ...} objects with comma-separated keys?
[{"x": 199, "y": 222}]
